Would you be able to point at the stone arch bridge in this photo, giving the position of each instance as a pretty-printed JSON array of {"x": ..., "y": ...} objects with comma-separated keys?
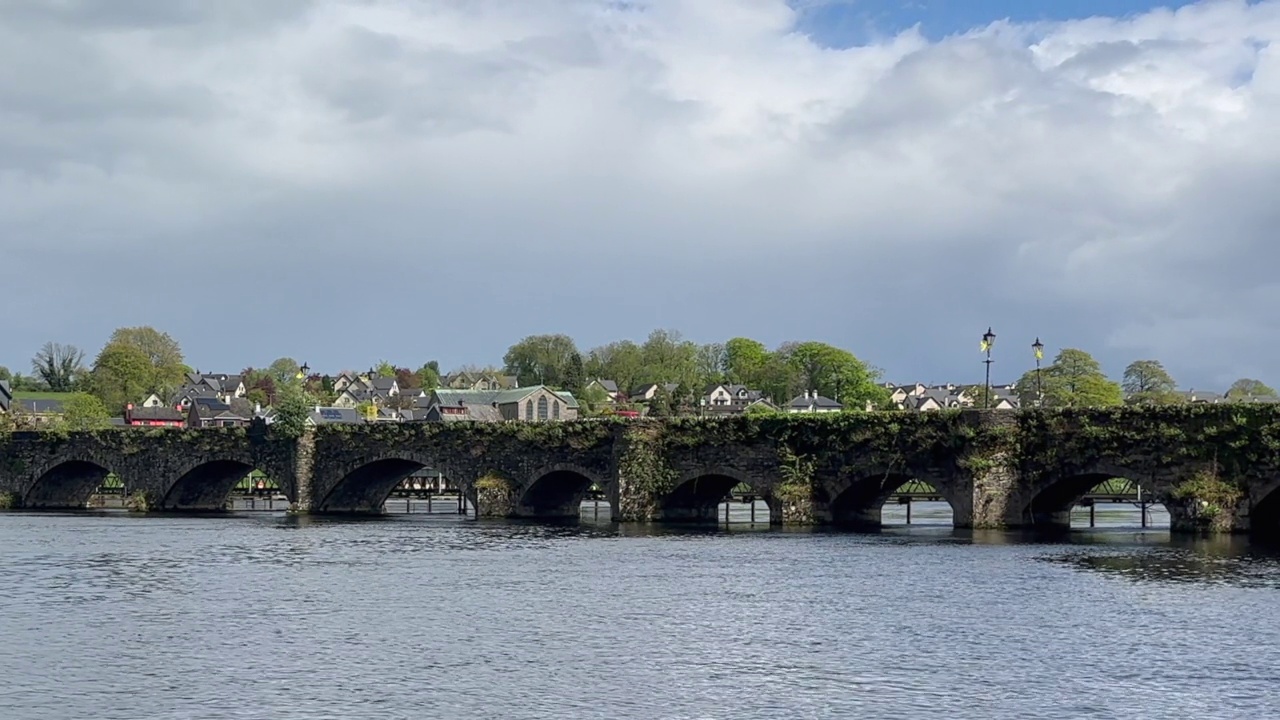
[{"x": 1217, "y": 468}]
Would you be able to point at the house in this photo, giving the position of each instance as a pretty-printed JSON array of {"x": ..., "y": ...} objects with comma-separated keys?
[
  {"x": 730, "y": 395},
  {"x": 479, "y": 381},
  {"x": 153, "y": 400},
  {"x": 212, "y": 412},
  {"x": 6, "y": 396},
  {"x": 219, "y": 385},
  {"x": 37, "y": 410},
  {"x": 154, "y": 416},
  {"x": 334, "y": 416},
  {"x": 1201, "y": 396},
  {"x": 536, "y": 403},
  {"x": 608, "y": 387},
  {"x": 735, "y": 409},
  {"x": 645, "y": 393},
  {"x": 812, "y": 402}
]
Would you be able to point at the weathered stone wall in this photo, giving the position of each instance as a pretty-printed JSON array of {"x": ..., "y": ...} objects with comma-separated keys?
[{"x": 1216, "y": 467}]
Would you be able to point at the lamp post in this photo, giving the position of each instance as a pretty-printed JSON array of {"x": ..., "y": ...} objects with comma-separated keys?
[
  {"x": 1037, "y": 347},
  {"x": 302, "y": 372},
  {"x": 988, "y": 339}
]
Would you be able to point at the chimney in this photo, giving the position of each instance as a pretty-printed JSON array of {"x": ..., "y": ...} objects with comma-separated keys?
[{"x": 128, "y": 413}]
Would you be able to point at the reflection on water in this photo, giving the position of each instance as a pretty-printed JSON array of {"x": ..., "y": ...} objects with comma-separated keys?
[{"x": 259, "y": 615}]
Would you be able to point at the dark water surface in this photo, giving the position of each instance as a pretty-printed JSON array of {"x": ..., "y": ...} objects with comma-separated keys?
[{"x": 113, "y": 616}]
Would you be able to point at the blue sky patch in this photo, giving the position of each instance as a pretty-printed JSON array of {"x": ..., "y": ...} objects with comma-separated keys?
[{"x": 844, "y": 23}]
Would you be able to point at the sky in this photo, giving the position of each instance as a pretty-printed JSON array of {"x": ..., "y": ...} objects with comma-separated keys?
[{"x": 345, "y": 181}]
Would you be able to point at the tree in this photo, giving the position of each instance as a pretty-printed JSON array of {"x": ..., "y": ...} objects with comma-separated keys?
[
  {"x": 406, "y": 378},
  {"x": 292, "y": 411},
  {"x": 575, "y": 376},
  {"x": 1147, "y": 383},
  {"x": 61, "y": 367},
  {"x": 710, "y": 365},
  {"x": 837, "y": 374},
  {"x": 1074, "y": 379},
  {"x": 744, "y": 361},
  {"x": 5, "y": 374},
  {"x": 540, "y": 359},
  {"x": 593, "y": 399},
  {"x": 82, "y": 412},
  {"x": 161, "y": 353},
  {"x": 982, "y": 396},
  {"x": 622, "y": 362},
  {"x": 661, "y": 405},
  {"x": 122, "y": 374},
  {"x": 384, "y": 369},
  {"x": 258, "y": 396},
  {"x": 1245, "y": 388},
  {"x": 667, "y": 358},
  {"x": 429, "y": 376},
  {"x": 283, "y": 370}
]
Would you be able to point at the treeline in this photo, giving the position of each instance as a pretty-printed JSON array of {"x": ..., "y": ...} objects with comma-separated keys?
[
  {"x": 666, "y": 358},
  {"x": 1075, "y": 379},
  {"x": 136, "y": 362}
]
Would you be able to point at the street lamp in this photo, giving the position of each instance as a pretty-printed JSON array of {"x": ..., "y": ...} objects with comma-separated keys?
[
  {"x": 302, "y": 372},
  {"x": 1038, "y": 348},
  {"x": 988, "y": 339}
]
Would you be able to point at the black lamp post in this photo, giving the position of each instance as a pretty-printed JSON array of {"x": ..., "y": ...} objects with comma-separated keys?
[
  {"x": 988, "y": 339},
  {"x": 305, "y": 369},
  {"x": 1038, "y": 348}
]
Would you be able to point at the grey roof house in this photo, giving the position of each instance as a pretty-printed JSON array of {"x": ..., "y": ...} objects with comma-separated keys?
[{"x": 812, "y": 402}]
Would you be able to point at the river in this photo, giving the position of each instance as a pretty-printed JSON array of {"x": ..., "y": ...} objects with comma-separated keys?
[{"x": 114, "y": 616}]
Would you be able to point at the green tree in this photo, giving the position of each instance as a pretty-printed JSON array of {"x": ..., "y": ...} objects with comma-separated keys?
[
  {"x": 710, "y": 365},
  {"x": 292, "y": 410},
  {"x": 745, "y": 361},
  {"x": 122, "y": 374},
  {"x": 162, "y": 352},
  {"x": 1147, "y": 383},
  {"x": 258, "y": 396},
  {"x": 5, "y": 374},
  {"x": 429, "y": 376},
  {"x": 82, "y": 412},
  {"x": 593, "y": 399},
  {"x": 540, "y": 359},
  {"x": 1245, "y": 388},
  {"x": 622, "y": 362},
  {"x": 668, "y": 358},
  {"x": 836, "y": 373},
  {"x": 1074, "y": 379},
  {"x": 574, "y": 379},
  {"x": 384, "y": 369},
  {"x": 661, "y": 405},
  {"x": 283, "y": 370},
  {"x": 61, "y": 367},
  {"x": 982, "y": 397}
]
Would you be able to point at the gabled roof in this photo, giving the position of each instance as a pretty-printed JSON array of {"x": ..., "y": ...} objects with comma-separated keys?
[
  {"x": 608, "y": 385},
  {"x": 336, "y": 416},
  {"x": 384, "y": 384},
  {"x": 568, "y": 397},
  {"x": 814, "y": 401}
]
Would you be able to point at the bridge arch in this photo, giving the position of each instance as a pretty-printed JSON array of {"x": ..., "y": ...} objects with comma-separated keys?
[
  {"x": 1264, "y": 515},
  {"x": 557, "y": 491},
  {"x": 1050, "y": 500},
  {"x": 205, "y": 486},
  {"x": 857, "y": 501},
  {"x": 697, "y": 495},
  {"x": 66, "y": 484},
  {"x": 363, "y": 487}
]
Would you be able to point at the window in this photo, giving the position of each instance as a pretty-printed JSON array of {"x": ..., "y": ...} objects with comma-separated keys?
[
  {"x": 542, "y": 408},
  {"x": 555, "y": 411},
  {"x": 528, "y": 409}
]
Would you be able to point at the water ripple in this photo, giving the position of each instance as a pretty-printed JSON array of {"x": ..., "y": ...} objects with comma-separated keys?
[{"x": 260, "y": 616}]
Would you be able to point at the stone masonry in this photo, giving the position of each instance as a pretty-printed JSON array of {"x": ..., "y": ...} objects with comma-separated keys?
[{"x": 1217, "y": 468}]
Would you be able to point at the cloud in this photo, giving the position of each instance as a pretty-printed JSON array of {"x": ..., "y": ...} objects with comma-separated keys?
[{"x": 349, "y": 180}]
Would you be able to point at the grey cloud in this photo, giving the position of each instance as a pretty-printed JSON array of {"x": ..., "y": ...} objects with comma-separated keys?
[{"x": 348, "y": 181}]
